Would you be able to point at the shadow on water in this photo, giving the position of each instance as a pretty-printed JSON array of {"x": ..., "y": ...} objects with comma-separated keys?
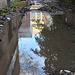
[{"x": 50, "y": 48}]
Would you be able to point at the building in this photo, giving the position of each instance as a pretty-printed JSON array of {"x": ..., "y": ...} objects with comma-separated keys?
[
  {"x": 26, "y": 28},
  {"x": 37, "y": 17}
]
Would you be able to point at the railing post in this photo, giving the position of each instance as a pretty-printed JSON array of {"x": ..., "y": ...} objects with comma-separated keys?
[{"x": 8, "y": 2}]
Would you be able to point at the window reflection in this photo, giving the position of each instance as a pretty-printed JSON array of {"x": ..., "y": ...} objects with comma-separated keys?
[{"x": 38, "y": 16}]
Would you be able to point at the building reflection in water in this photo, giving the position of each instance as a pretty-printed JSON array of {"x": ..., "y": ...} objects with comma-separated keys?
[
  {"x": 33, "y": 22},
  {"x": 37, "y": 18},
  {"x": 29, "y": 64},
  {"x": 25, "y": 29}
]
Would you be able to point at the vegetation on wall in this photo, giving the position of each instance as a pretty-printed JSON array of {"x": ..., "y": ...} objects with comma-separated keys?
[
  {"x": 16, "y": 3},
  {"x": 70, "y": 1}
]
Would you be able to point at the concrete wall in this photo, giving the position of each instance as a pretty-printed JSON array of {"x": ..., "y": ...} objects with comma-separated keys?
[
  {"x": 9, "y": 43},
  {"x": 69, "y": 17},
  {"x": 13, "y": 0},
  {"x": 17, "y": 67},
  {"x": 25, "y": 29},
  {"x": 4, "y": 2}
]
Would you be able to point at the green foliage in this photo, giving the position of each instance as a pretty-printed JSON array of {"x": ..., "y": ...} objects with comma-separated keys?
[
  {"x": 70, "y": 1},
  {"x": 16, "y": 4},
  {"x": 12, "y": 5},
  {"x": 7, "y": 8},
  {"x": 3, "y": 10}
]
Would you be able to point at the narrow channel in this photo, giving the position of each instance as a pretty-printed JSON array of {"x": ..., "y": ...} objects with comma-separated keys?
[{"x": 46, "y": 44}]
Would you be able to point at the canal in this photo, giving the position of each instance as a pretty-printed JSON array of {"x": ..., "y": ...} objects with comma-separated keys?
[{"x": 46, "y": 44}]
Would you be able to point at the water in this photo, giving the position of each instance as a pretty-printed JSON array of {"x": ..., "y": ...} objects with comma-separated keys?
[{"x": 46, "y": 44}]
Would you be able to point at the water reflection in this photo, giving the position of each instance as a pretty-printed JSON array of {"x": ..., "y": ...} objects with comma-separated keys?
[
  {"x": 28, "y": 60},
  {"x": 58, "y": 49},
  {"x": 26, "y": 28},
  {"x": 37, "y": 18},
  {"x": 51, "y": 47}
]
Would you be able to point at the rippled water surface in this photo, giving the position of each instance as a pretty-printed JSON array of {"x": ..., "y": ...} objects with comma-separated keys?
[{"x": 46, "y": 44}]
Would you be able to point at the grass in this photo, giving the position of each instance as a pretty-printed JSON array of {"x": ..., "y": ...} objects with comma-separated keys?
[
  {"x": 16, "y": 4},
  {"x": 70, "y": 1}
]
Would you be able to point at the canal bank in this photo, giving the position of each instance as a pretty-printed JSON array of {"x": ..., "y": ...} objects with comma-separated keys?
[
  {"x": 9, "y": 55},
  {"x": 69, "y": 18},
  {"x": 10, "y": 22}
]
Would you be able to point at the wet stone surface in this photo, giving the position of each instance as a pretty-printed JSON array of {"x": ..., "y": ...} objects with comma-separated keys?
[{"x": 47, "y": 46}]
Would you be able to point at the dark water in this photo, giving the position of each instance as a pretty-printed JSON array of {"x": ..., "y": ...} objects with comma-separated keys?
[{"x": 46, "y": 44}]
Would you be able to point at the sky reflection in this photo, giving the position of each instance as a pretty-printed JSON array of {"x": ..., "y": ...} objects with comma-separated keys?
[{"x": 27, "y": 56}]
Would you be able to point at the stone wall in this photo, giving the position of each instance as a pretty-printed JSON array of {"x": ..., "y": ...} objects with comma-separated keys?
[
  {"x": 13, "y": 0},
  {"x": 4, "y": 2},
  {"x": 9, "y": 43},
  {"x": 69, "y": 17}
]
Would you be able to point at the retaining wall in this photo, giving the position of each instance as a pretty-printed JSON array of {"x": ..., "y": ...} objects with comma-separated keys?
[
  {"x": 3, "y": 3},
  {"x": 9, "y": 43},
  {"x": 69, "y": 17}
]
